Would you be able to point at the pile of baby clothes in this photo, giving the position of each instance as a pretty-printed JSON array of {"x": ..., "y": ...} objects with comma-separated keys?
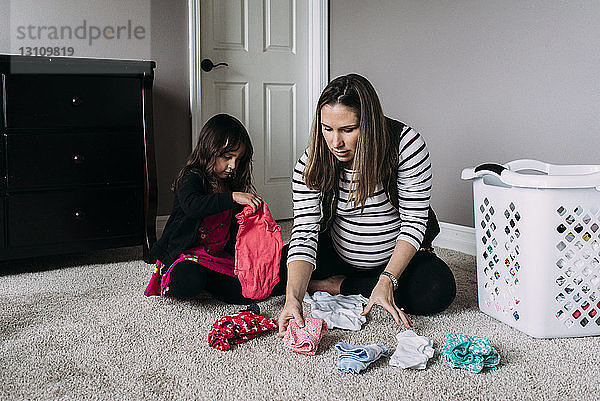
[{"x": 469, "y": 352}]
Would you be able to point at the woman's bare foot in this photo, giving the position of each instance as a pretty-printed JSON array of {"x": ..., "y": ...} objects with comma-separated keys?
[{"x": 330, "y": 284}]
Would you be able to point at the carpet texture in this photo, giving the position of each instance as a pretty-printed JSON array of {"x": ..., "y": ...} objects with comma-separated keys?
[{"x": 78, "y": 327}]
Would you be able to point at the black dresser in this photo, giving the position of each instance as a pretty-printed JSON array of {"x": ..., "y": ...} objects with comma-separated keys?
[{"x": 77, "y": 168}]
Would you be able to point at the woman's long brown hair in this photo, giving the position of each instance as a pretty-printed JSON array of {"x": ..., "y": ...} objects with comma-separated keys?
[
  {"x": 374, "y": 160},
  {"x": 222, "y": 133}
]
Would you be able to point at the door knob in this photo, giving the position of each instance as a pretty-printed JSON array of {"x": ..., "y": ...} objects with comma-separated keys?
[{"x": 207, "y": 65}]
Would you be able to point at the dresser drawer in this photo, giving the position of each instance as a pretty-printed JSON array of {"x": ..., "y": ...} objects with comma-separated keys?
[
  {"x": 49, "y": 101},
  {"x": 2, "y": 165},
  {"x": 68, "y": 216},
  {"x": 2, "y": 236},
  {"x": 72, "y": 159}
]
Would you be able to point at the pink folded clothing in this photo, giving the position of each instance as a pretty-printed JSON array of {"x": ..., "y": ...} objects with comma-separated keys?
[
  {"x": 305, "y": 340},
  {"x": 257, "y": 252}
]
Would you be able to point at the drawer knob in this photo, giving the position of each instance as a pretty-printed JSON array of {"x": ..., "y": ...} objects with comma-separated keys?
[
  {"x": 79, "y": 215},
  {"x": 76, "y": 101},
  {"x": 78, "y": 159}
]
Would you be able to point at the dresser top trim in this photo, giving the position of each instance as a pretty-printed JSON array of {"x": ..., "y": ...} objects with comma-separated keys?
[{"x": 72, "y": 65}]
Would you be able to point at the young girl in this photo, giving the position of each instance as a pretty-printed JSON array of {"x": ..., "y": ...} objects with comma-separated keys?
[{"x": 197, "y": 244}]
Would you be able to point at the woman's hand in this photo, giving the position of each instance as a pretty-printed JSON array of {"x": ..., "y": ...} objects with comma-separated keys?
[
  {"x": 383, "y": 295},
  {"x": 291, "y": 310},
  {"x": 299, "y": 272},
  {"x": 245, "y": 198}
]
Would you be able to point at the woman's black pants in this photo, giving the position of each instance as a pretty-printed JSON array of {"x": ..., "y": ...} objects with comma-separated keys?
[{"x": 425, "y": 287}]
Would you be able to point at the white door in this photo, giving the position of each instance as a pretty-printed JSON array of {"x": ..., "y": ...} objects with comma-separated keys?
[{"x": 265, "y": 85}]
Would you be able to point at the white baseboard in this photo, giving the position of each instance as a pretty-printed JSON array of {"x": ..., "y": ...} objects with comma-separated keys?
[
  {"x": 160, "y": 224},
  {"x": 456, "y": 237},
  {"x": 451, "y": 236}
]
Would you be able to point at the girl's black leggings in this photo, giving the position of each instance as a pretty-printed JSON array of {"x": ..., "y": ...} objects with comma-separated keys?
[
  {"x": 188, "y": 279},
  {"x": 425, "y": 287}
]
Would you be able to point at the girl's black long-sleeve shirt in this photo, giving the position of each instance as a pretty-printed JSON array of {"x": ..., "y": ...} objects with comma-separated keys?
[{"x": 191, "y": 204}]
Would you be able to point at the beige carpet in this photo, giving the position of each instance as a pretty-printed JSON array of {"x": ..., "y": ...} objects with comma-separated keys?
[{"x": 79, "y": 328}]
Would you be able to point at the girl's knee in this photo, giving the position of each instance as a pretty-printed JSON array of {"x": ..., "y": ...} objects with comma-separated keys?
[{"x": 188, "y": 279}]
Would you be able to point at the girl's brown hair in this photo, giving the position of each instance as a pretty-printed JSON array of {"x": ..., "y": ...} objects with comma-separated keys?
[
  {"x": 221, "y": 134},
  {"x": 374, "y": 160}
]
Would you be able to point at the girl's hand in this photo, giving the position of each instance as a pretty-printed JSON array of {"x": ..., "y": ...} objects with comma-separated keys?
[
  {"x": 291, "y": 310},
  {"x": 244, "y": 198},
  {"x": 383, "y": 295}
]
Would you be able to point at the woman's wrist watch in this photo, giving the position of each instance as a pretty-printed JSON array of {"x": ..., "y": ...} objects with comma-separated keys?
[{"x": 392, "y": 278}]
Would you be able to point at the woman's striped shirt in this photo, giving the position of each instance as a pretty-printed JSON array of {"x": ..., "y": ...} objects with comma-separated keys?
[{"x": 366, "y": 240}]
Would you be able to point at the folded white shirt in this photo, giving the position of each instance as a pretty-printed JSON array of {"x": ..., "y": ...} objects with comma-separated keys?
[
  {"x": 413, "y": 351},
  {"x": 342, "y": 311}
]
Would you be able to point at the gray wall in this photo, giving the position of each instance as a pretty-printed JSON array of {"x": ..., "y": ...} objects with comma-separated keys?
[
  {"x": 4, "y": 24},
  {"x": 169, "y": 48},
  {"x": 172, "y": 126},
  {"x": 482, "y": 80}
]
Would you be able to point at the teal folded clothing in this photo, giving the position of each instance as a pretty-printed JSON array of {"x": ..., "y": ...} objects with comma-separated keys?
[{"x": 469, "y": 352}]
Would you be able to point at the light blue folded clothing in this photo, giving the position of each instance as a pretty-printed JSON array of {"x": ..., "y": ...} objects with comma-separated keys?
[
  {"x": 355, "y": 358},
  {"x": 469, "y": 352}
]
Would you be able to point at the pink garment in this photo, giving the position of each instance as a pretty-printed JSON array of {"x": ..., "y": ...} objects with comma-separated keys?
[
  {"x": 257, "y": 252},
  {"x": 153, "y": 287},
  {"x": 305, "y": 340},
  {"x": 208, "y": 252},
  {"x": 213, "y": 235}
]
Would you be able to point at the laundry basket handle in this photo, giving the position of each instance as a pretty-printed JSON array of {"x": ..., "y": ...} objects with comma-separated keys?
[
  {"x": 555, "y": 176},
  {"x": 493, "y": 167}
]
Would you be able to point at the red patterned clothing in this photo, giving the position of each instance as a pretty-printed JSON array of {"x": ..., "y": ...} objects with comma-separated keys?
[{"x": 238, "y": 328}]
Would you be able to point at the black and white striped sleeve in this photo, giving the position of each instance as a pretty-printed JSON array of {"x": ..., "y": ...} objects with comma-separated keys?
[
  {"x": 414, "y": 187},
  {"x": 307, "y": 217}
]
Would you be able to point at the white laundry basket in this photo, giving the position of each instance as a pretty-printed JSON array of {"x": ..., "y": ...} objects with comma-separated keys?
[{"x": 537, "y": 228}]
